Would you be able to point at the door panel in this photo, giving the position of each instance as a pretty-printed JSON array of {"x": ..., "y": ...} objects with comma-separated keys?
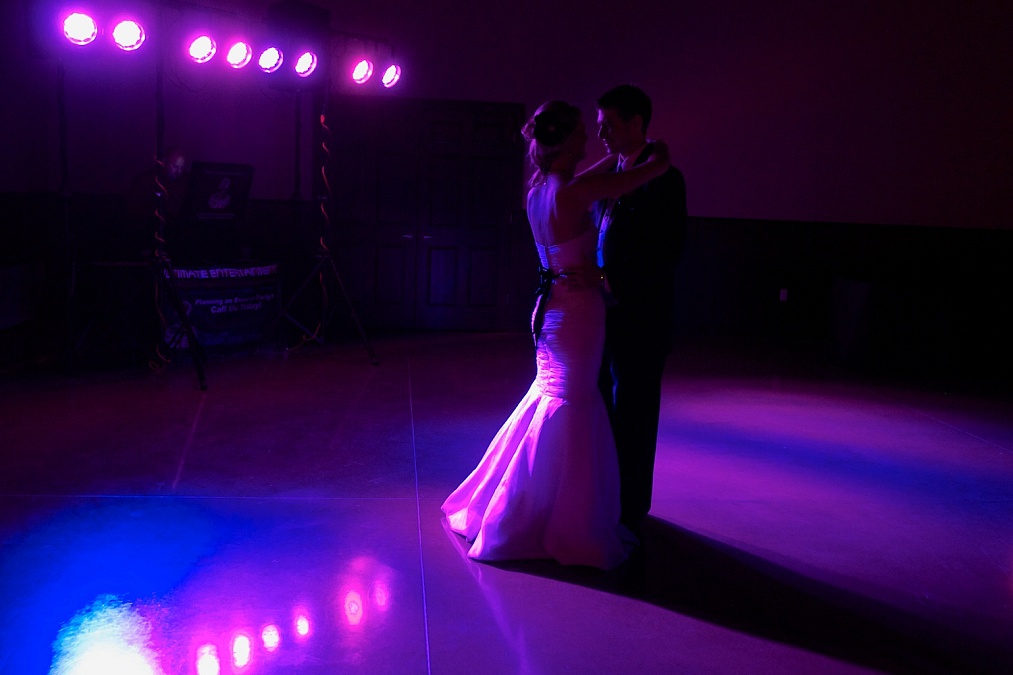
[
  {"x": 482, "y": 284},
  {"x": 427, "y": 193},
  {"x": 442, "y": 284}
]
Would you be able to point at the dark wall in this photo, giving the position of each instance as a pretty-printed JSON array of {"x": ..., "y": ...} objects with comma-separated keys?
[
  {"x": 857, "y": 154},
  {"x": 913, "y": 302},
  {"x": 859, "y": 112},
  {"x": 927, "y": 303}
]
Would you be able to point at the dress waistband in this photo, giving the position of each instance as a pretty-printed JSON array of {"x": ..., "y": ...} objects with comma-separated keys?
[{"x": 581, "y": 278}]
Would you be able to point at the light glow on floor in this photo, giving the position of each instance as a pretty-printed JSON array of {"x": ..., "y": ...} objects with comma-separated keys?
[
  {"x": 108, "y": 638},
  {"x": 271, "y": 637}
]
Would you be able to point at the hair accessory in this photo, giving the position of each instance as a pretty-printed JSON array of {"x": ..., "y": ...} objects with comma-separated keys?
[{"x": 547, "y": 129}]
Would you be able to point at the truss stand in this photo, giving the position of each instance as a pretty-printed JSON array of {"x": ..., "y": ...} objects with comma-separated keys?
[
  {"x": 69, "y": 232},
  {"x": 165, "y": 277},
  {"x": 325, "y": 265}
]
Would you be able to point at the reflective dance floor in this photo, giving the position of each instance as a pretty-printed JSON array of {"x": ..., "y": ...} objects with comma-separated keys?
[{"x": 287, "y": 520}]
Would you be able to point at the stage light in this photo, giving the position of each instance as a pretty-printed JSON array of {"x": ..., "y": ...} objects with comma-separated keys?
[
  {"x": 242, "y": 650},
  {"x": 380, "y": 594},
  {"x": 306, "y": 64},
  {"x": 80, "y": 28},
  {"x": 239, "y": 55},
  {"x": 302, "y": 625},
  {"x": 202, "y": 49},
  {"x": 207, "y": 661},
  {"x": 271, "y": 637},
  {"x": 353, "y": 608},
  {"x": 128, "y": 35},
  {"x": 362, "y": 72},
  {"x": 111, "y": 659},
  {"x": 109, "y": 637},
  {"x": 270, "y": 59},
  {"x": 391, "y": 76}
]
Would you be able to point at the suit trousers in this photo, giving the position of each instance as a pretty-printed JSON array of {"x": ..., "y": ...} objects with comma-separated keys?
[{"x": 630, "y": 382}]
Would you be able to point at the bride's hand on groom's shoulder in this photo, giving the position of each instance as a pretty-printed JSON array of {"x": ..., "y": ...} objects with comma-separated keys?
[{"x": 659, "y": 151}]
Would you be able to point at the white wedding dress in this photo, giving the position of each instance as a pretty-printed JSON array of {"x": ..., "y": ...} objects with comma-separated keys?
[{"x": 548, "y": 485}]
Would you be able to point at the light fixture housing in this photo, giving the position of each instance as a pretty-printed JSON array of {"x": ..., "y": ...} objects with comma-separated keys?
[
  {"x": 128, "y": 35},
  {"x": 239, "y": 54},
  {"x": 362, "y": 71},
  {"x": 80, "y": 29},
  {"x": 391, "y": 76},
  {"x": 271, "y": 59},
  {"x": 202, "y": 49},
  {"x": 306, "y": 64}
]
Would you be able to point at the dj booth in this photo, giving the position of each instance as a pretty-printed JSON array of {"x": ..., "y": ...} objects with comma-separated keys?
[
  {"x": 229, "y": 294},
  {"x": 228, "y": 299}
]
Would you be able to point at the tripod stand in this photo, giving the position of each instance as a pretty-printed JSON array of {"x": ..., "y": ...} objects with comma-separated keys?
[
  {"x": 165, "y": 283},
  {"x": 325, "y": 264}
]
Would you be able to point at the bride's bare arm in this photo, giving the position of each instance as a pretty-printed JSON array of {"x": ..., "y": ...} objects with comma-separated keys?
[
  {"x": 587, "y": 188},
  {"x": 603, "y": 165}
]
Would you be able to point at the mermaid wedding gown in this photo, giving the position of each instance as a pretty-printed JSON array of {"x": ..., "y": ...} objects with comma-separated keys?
[{"x": 548, "y": 485}]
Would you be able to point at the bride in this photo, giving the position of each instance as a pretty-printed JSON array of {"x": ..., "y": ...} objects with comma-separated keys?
[{"x": 548, "y": 484}]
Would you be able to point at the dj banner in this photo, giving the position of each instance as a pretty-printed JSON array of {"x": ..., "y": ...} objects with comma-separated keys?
[{"x": 227, "y": 306}]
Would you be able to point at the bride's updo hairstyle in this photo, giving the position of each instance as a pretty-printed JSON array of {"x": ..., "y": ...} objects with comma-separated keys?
[{"x": 546, "y": 132}]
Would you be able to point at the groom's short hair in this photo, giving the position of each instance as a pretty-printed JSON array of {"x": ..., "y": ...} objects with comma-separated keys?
[{"x": 628, "y": 100}]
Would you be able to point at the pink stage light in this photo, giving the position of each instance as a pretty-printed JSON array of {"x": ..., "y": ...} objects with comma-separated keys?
[
  {"x": 380, "y": 594},
  {"x": 202, "y": 49},
  {"x": 306, "y": 64},
  {"x": 207, "y": 661},
  {"x": 271, "y": 637},
  {"x": 302, "y": 625},
  {"x": 362, "y": 72},
  {"x": 239, "y": 55},
  {"x": 128, "y": 35},
  {"x": 270, "y": 59},
  {"x": 80, "y": 28},
  {"x": 391, "y": 76},
  {"x": 242, "y": 650},
  {"x": 353, "y": 608}
]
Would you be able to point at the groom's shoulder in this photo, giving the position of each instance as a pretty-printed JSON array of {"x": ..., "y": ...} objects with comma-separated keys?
[
  {"x": 673, "y": 174},
  {"x": 671, "y": 180}
]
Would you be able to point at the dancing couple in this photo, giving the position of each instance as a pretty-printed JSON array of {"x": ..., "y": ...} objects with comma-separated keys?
[{"x": 569, "y": 475}]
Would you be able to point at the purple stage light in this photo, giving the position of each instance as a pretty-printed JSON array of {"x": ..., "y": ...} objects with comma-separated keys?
[
  {"x": 128, "y": 35},
  {"x": 239, "y": 55},
  {"x": 271, "y": 637},
  {"x": 391, "y": 76},
  {"x": 207, "y": 661},
  {"x": 362, "y": 72},
  {"x": 202, "y": 49},
  {"x": 306, "y": 64},
  {"x": 80, "y": 28},
  {"x": 270, "y": 59}
]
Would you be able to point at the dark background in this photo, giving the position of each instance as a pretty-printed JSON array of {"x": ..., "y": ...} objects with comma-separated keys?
[{"x": 857, "y": 155}]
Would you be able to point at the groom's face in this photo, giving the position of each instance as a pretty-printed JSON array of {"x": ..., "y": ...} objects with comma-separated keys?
[{"x": 622, "y": 136}]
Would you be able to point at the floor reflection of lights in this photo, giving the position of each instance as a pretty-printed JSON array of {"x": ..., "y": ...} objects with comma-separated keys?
[
  {"x": 153, "y": 587},
  {"x": 113, "y": 636}
]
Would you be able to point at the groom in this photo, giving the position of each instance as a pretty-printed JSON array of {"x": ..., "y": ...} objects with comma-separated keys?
[{"x": 640, "y": 241}]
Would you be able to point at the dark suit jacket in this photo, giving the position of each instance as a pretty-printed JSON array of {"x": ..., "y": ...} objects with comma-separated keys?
[{"x": 642, "y": 245}]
